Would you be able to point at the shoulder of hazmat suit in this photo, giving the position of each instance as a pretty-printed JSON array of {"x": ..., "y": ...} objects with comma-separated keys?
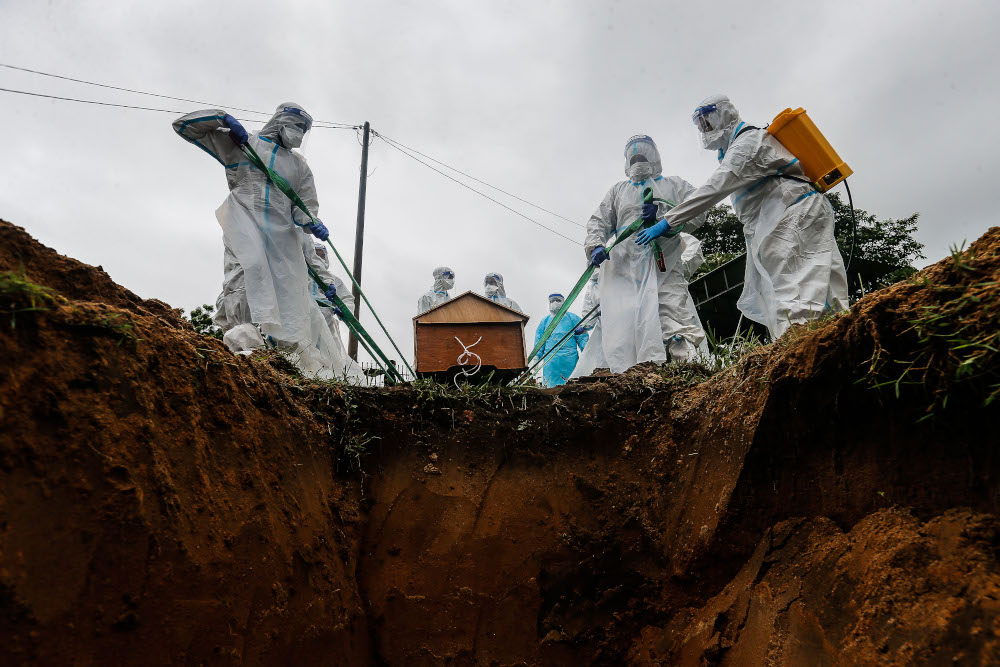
[{"x": 206, "y": 130}]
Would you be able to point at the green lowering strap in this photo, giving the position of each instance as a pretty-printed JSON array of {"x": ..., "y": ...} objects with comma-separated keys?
[
  {"x": 283, "y": 185},
  {"x": 378, "y": 362},
  {"x": 647, "y": 197},
  {"x": 356, "y": 327}
]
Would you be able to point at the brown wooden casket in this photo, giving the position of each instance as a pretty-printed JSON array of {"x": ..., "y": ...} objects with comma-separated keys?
[{"x": 469, "y": 317}]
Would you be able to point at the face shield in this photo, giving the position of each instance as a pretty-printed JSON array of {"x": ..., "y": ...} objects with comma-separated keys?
[
  {"x": 642, "y": 159},
  {"x": 555, "y": 303},
  {"x": 289, "y": 126},
  {"x": 715, "y": 118},
  {"x": 493, "y": 284},
  {"x": 444, "y": 279}
]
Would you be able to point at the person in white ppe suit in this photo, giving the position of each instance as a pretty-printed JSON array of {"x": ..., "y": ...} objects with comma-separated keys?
[
  {"x": 493, "y": 285},
  {"x": 592, "y": 355},
  {"x": 266, "y": 289},
  {"x": 320, "y": 262},
  {"x": 444, "y": 280},
  {"x": 646, "y": 308},
  {"x": 794, "y": 270}
]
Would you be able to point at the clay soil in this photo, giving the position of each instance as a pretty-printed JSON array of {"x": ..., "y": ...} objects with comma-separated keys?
[{"x": 830, "y": 499}]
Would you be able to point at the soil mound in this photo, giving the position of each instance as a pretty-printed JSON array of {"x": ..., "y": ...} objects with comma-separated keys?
[{"x": 831, "y": 498}]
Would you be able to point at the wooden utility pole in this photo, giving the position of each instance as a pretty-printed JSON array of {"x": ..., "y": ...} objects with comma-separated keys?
[{"x": 359, "y": 239}]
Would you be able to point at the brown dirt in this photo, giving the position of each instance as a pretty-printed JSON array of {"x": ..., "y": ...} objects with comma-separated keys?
[{"x": 162, "y": 501}]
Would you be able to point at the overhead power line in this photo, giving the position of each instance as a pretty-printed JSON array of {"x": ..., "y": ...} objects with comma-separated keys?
[
  {"x": 399, "y": 148},
  {"x": 131, "y": 106},
  {"x": 73, "y": 99},
  {"x": 489, "y": 185},
  {"x": 318, "y": 123}
]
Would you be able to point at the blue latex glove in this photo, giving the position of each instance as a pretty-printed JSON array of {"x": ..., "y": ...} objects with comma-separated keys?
[
  {"x": 598, "y": 255},
  {"x": 319, "y": 230},
  {"x": 649, "y": 212},
  {"x": 646, "y": 236},
  {"x": 579, "y": 331},
  {"x": 330, "y": 292},
  {"x": 338, "y": 312},
  {"x": 236, "y": 131}
]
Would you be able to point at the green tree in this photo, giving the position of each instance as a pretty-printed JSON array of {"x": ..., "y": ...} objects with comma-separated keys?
[
  {"x": 721, "y": 238},
  {"x": 887, "y": 246},
  {"x": 201, "y": 320}
]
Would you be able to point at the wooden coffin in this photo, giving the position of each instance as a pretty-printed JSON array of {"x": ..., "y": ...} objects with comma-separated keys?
[{"x": 469, "y": 317}]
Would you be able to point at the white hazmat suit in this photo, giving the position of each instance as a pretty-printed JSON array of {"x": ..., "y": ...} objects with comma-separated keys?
[
  {"x": 592, "y": 355},
  {"x": 444, "y": 280},
  {"x": 319, "y": 260},
  {"x": 493, "y": 286},
  {"x": 794, "y": 270},
  {"x": 266, "y": 285},
  {"x": 646, "y": 308}
]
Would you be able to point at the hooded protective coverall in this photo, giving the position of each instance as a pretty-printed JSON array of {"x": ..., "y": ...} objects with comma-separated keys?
[
  {"x": 592, "y": 355},
  {"x": 493, "y": 284},
  {"x": 794, "y": 270},
  {"x": 559, "y": 367},
  {"x": 644, "y": 310},
  {"x": 319, "y": 260},
  {"x": 266, "y": 283},
  {"x": 444, "y": 280}
]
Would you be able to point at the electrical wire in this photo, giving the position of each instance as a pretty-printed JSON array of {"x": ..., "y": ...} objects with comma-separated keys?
[
  {"x": 127, "y": 90},
  {"x": 489, "y": 185},
  {"x": 319, "y": 123},
  {"x": 398, "y": 147},
  {"x": 131, "y": 106},
  {"x": 73, "y": 99}
]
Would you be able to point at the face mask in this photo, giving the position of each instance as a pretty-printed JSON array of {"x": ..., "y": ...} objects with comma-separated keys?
[
  {"x": 290, "y": 136},
  {"x": 554, "y": 306},
  {"x": 640, "y": 171},
  {"x": 492, "y": 290}
]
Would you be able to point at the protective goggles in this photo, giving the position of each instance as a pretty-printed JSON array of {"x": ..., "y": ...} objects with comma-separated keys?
[
  {"x": 492, "y": 279},
  {"x": 447, "y": 274},
  {"x": 700, "y": 117}
]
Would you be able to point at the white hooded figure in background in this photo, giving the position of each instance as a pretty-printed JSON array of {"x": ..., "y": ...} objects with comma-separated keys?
[
  {"x": 444, "y": 280},
  {"x": 319, "y": 260},
  {"x": 646, "y": 308},
  {"x": 266, "y": 289},
  {"x": 794, "y": 270},
  {"x": 493, "y": 285}
]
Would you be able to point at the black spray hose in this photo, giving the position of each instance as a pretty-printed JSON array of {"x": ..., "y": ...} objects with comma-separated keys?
[{"x": 854, "y": 229}]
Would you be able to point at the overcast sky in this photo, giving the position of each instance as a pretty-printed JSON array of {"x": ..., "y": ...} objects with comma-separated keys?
[{"x": 536, "y": 97}]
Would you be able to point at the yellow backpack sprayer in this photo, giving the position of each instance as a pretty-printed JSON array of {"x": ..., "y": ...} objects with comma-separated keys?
[
  {"x": 822, "y": 166},
  {"x": 796, "y": 132}
]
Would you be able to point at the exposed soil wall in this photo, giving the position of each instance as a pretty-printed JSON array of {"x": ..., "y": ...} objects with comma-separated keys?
[{"x": 163, "y": 502}]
